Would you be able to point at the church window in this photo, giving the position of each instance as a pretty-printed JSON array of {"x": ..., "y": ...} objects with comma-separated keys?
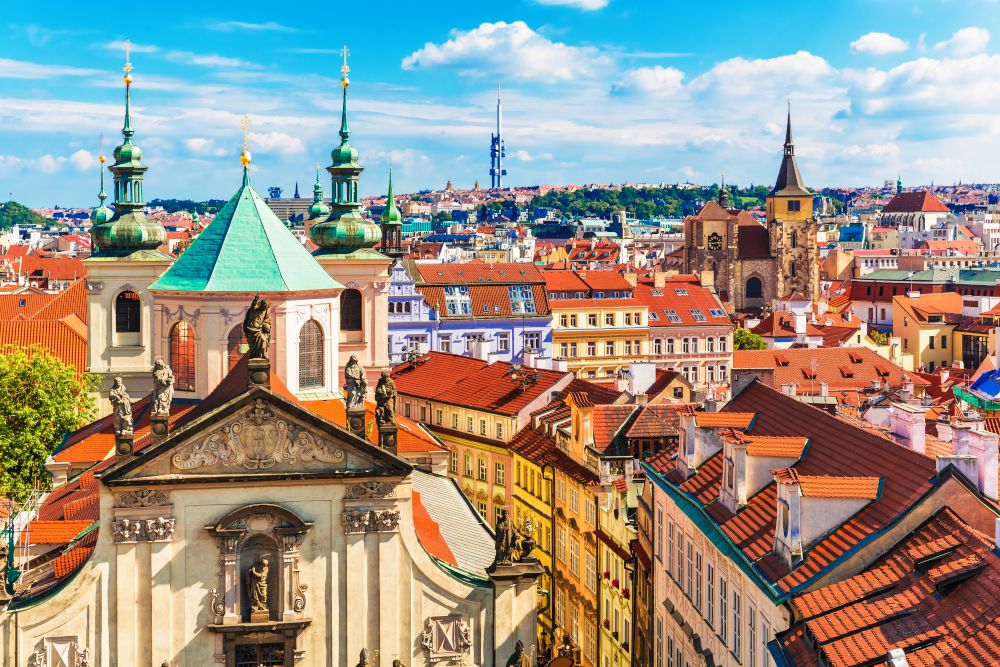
[
  {"x": 795, "y": 240},
  {"x": 127, "y": 312},
  {"x": 236, "y": 345},
  {"x": 794, "y": 206},
  {"x": 310, "y": 355},
  {"x": 182, "y": 356},
  {"x": 754, "y": 288},
  {"x": 792, "y": 270},
  {"x": 350, "y": 310}
]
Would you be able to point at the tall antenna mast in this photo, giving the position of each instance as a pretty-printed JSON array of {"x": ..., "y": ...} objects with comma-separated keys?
[{"x": 497, "y": 150}]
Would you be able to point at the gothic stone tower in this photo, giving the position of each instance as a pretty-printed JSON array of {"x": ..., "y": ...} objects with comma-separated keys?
[{"x": 793, "y": 228}]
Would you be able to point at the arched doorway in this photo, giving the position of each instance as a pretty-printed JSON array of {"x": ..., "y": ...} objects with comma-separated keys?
[{"x": 754, "y": 288}]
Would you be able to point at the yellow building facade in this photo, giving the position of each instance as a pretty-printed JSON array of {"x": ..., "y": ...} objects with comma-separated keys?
[
  {"x": 615, "y": 533},
  {"x": 925, "y": 325}
]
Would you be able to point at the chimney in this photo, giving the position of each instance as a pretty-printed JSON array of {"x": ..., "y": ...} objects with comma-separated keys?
[
  {"x": 659, "y": 279},
  {"x": 897, "y": 658},
  {"x": 789, "y": 390},
  {"x": 824, "y": 389},
  {"x": 910, "y": 424},
  {"x": 641, "y": 399},
  {"x": 800, "y": 324}
]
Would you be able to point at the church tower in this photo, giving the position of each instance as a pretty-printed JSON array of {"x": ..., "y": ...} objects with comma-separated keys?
[
  {"x": 347, "y": 242},
  {"x": 793, "y": 228},
  {"x": 392, "y": 226},
  {"x": 125, "y": 261},
  {"x": 319, "y": 210}
]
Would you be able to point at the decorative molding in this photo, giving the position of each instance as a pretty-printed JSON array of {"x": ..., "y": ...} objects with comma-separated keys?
[
  {"x": 381, "y": 287},
  {"x": 370, "y": 490},
  {"x": 371, "y": 521},
  {"x": 142, "y": 498},
  {"x": 257, "y": 440},
  {"x": 218, "y": 602},
  {"x": 446, "y": 639},
  {"x": 95, "y": 287},
  {"x": 160, "y": 529},
  {"x": 230, "y": 316},
  {"x": 181, "y": 314}
]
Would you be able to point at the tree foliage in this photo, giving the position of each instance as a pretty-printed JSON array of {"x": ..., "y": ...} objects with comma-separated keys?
[
  {"x": 878, "y": 337},
  {"x": 670, "y": 202},
  {"x": 41, "y": 399},
  {"x": 12, "y": 213},
  {"x": 744, "y": 339}
]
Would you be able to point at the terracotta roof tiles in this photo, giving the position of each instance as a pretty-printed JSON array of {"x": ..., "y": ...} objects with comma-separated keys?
[
  {"x": 53, "y": 532},
  {"x": 740, "y": 420}
]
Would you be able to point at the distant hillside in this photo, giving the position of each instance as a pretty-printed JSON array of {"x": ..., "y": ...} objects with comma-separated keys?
[
  {"x": 671, "y": 202},
  {"x": 173, "y": 205},
  {"x": 12, "y": 213}
]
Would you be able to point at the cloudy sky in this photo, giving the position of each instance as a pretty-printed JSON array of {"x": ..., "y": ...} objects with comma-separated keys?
[{"x": 594, "y": 91}]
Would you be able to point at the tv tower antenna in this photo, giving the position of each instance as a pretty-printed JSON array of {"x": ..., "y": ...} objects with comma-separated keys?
[{"x": 497, "y": 150}]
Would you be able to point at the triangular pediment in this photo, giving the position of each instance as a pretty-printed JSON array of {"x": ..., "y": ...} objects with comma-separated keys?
[{"x": 257, "y": 436}]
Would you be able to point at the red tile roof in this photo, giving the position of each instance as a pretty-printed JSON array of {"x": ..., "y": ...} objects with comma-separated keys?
[
  {"x": 486, "y": 301},
  {"x": 842, "y": 368},
  {"x": 608, "y": 420},
  {"x": 831, "y": 486},
  {"x": 682, "y": 297},
  {"x": 53, "y": 532},
  {"x": 429, "y": 533},
  {"x": 66, "y": 338},
  {"x": 477, "y": 272},
  {"x": 740, "y": 420},
  {"x": 71, "y": 561},
  {"x": 775, "y": 446},
  {"x": 655, "y": 421},
  {"x": 49, "y": 268},
  {"x": 782, "y": 325},
  {"x": 915, "y": 202},
  {"x": 563, "y": 281},
  {"x": 472, "y": 383}
]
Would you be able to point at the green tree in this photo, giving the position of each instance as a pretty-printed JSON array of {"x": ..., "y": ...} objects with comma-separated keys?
[
  {"x": 12, "y": 213},
  {"x": 42, "y": 399},
  {"x": 878, "y": 337},
  {"x": 744, "y": 339},
  {"x": 442, "y": 216}
]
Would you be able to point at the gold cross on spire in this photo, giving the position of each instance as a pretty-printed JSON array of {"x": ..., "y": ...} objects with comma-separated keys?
[
  {"x": 344, "y": 69},
  {"x": 127, "y": 46},
  {"x": 245, "y": 155}
]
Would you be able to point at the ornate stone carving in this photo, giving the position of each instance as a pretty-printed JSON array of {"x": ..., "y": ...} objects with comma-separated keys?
[
  {"x": 142, "y": 498},
  {"x": 160, "y": 529},
  {"x": 446, "y": 638},
  {"x": 257, "y": 584},
  {"x": 257, "y": 440},
  {"x": 385, "y": 400},
  {"x": 355, "y": 383},
  {"x": 298, "y": 593},
  {"x": 229, "y": 316},
  {"x": 163, "y": 388},
  {"x": 228, "y": 544},
  {"x": 122, "y": 408},
  {"x": 257, "y": 328},
  {"x": 371, "y": 521},
  {"x": 373, "y": 489},
  {"x": 218, "y": 602},
  {"x": 505, "y": 540}
]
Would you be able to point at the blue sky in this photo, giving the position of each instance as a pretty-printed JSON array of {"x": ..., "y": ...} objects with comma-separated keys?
[{"x": 594, "y": 91}]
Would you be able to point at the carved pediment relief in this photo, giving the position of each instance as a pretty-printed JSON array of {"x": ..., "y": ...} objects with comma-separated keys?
[{"x": 258, "y": 439}]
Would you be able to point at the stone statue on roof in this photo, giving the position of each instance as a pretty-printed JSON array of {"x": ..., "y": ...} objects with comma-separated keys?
[
  {"x": 385, "y": 400},
  {"x": 505, "y": 540},
  {"x": 355, "y": 383},
  {"x": 122, "y": 408},
  {"x": 257, "y": 328},
  {"x": 163, "y": 388}
]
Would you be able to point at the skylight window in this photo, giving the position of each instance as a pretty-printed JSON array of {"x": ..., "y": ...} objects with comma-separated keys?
[
  {"x": 698, "y": 315},
  {"x": 717, "y": 312},
  {"x": 653, "y": 315},
  {"x": 681, "y": 291},
  {"x": 672, "y": 315}
]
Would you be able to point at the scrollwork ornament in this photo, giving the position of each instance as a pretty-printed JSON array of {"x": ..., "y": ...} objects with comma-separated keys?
[
  {"x": 371, "y": 489},
  {"x": 218, "y": 602},
  {"x": 142, "y": 498}
]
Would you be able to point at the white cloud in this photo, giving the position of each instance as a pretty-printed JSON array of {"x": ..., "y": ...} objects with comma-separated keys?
[
  {"x": 965, "y": 42},
  {"x": 586, "y": 5},
  {"x": 268, "y": 26},
  {"x": 276, "y": 142},
  {"x": 209, "y": 60},
  {"x": 513, "y": 50},
  {"x": 49, "y": 164},
  {"x": 738, "y": 77},
  {"x": 525, "y": 156},
  {"x": 650, "y": 81},
  {"x": 82, "y": 160},
  {"x": 119, "y": 45},
  {"x": 21, "y": 69},
  {"x": 879, "y": 44}
]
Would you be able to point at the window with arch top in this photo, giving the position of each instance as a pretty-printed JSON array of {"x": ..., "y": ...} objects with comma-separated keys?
[
  {"x": 182, "y": 356},
  {"x": 754, "y": 288},
  {"x": 310, "y": 355},
  {"x": 350, "y": 310},
  {"x": 128, "y": 309}
]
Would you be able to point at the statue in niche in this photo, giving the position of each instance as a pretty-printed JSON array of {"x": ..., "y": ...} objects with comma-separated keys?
[
  {"x": 355, "y": 383},
  {"x": 385, "y": 400},
  {"x": 257, "y": 584},
  {"x": 163, "y": 387},
  {"x": 122, "y": 407},
  {"x": 257, "y": 328},
  {"x": 505, "y": 540}
]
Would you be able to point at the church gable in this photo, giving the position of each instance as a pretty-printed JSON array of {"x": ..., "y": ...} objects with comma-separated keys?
[{"x": 259, "y": 435}]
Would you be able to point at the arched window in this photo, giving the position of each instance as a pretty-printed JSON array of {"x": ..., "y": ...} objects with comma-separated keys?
[
  {"x": 127, "y": 312},
  {"x": 310, "y": 355},
  {"x": 182, "y": 355},
  {"x": 795, "y": 240},
  {"x": 754, "y": 288},
  {"x": 236, "y": 346},
  {"x": 350, "y": 310},
  {"x": 792, "y": 269}
]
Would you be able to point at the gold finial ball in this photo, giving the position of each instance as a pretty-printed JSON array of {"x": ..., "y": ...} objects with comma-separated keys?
[
  {"x": 245, "y": 158},
  {"x": 101, "y": 159},
  {"x": 128, "y": 79},
  {"x": 345, "y": 82}
]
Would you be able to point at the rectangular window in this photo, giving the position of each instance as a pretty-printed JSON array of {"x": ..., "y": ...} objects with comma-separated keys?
[
  {"x": 590, "y": 643},
  {"x": 406, "y": 410},
  {"x": 628, "y": 319},
  {"x": 499, "y": 474},
  {"x": 482, "y": 470},
  {"x": 670, "y": 537},
  {"x": 572, "y": 350},
  {"x": 765, "y": 636},
  {"x": 723, "y": 343},
  {"x": 423, "y": 413},
  {"x": 710, "y": 374},
  {"x": 561, "y": 543},
  {"x": 445, "y": 344},
  {"x": 659, "y": 642},
  {"x": 710, "y": 344},
  {"x": 454, "y": 420},
  {"x": 689, "y": 582},
  {"x": 723, "y": 611},
  {"x": 574, "y": 557},
  {"x": 931, "y": 342},
  {"x": 794, "y": 206},
  {"x": 592, "y": 349},
  {"x": 468, "y": 424},
  {"x": 499, "y": 431},
  {"x": 657, "y": 346},
  {"x": 698, "y": 314},
  {"x": 670, "y": 652},
  {"x": 564, "y": 350},
  {"x": 481, "y": 508},
  {"x": 737, "y": 620},
  {"x": 751, "y": 636},
  {"x": 564, "y": 321},
  {"x": 439, "y": 417},
  {"x": 680, "y": 558},
  {"x": 591, "y": 573},
  {"x": 723, "y": 373},
  {"x": 670, "y": 346},
  {"x": 710, "y": 596},
  {"x": 522, "y": 300},
  {"x": 453, "y": 462},
  {"x": 609, "y": 319},
  {"x": 628, "y": 347},
  {"x": 592, "y": 320},
  {"x": 561, "y": 489},
  {"x": 672, "y": 316},
  {"x": 944, "y": 342},
  {"x": 574, "y": 499},
  {"x": 685, "y": 346},
  {"x": 503, "y": 342},
  {"x": 697, "y": 581},
  {"x": 532, "y": 341},
  {"x": 572, "y": 320},
  {"x": 468, "y": 465},
  {"x": 482, "y": 427},
  {"x": 591, "y": 513},
  {"x": 609, "y": 348},
  {"x": 670, "y": 547}
]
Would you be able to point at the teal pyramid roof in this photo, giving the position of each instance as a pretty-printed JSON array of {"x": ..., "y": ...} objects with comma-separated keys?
[{"x": 246, "y": 248}]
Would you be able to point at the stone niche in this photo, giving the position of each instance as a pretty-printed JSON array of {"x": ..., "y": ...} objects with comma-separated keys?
[{"x": 245, "y": 537}]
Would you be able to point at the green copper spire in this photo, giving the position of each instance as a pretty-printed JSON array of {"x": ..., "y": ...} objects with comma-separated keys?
[
  {"x": 899, "y": 184},
  {"x": 391, "y": 214},
  {"x": 129, "y": 229},
  {"x": 102, "y": 213},
  {"x": 319, "y": 209},
  {"x": 345, "y": 230}
]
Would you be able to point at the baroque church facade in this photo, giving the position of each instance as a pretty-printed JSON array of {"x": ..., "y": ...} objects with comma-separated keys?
[
  {"x": 258, "y": 519},
  {"x": 750, "y": 263}
]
